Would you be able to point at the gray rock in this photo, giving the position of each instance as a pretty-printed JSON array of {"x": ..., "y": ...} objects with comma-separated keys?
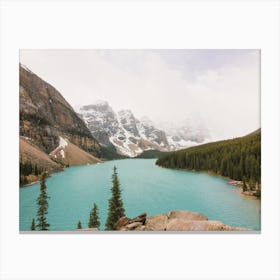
[
  {"x": 157, "y": 222},
  {"x": 133, "y": 225},
  {"x": 186, "y": 215},
  {"x": 177, "y": 220}
]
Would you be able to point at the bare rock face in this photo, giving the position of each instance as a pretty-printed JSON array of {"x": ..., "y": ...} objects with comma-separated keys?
[
  {"x": 45, "y": 115},
  {"x": 125, "y": 223},
  {"x": 101, "y": 120},
  {"x": 122, "y": 130},
  {"x": 184, "y": 225},
  {"x": 161, "y": 222},
  {"x": 179, "y": 220},
  {"x": 156, "y": 222},
  {"x": 185, "y": 215},
  {"x": 87, "y": 229}
]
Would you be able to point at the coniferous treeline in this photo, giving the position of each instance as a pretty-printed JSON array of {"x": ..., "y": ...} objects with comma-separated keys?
[
  {"x": 152, "y": 154},
  {"x": 26, "y": 168},
  {"x": 238, "y": 158}
]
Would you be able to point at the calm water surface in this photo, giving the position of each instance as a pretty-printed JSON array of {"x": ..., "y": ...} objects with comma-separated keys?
[{"x": 145, "y": 188}]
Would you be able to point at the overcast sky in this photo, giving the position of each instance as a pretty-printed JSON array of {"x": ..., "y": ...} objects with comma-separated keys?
[{"x": 218, "y": 87}]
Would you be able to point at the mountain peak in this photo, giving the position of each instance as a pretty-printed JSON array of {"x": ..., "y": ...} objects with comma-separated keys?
[
  {"x": 24, "y": 67},
  {"x": 100, "y": 103},
  {"x": 146, "y": 120},
  {"x": 125, "y": 112},
  {"x": 131, "y": 136},
  {"x": 97, "y": 105},
  {"x": 122, "y": 130}
]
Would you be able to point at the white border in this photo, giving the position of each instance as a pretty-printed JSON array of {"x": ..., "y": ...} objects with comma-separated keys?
[{"x": 191, "y": 24}]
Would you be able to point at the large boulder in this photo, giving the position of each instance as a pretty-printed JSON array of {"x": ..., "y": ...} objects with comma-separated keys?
[
  {"x": 125, "y": 223},
  {"x": 186, "y": 215},
  {"x": 178, "y": 220},
  {"x": 157, "y": 222},
  {"x": 184, "y": 225}
]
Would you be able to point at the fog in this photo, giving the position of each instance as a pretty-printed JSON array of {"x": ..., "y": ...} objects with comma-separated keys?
[{"x": 220, "y": 88}]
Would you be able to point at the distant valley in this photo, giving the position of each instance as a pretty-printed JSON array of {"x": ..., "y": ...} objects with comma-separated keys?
[{"x": 54, "y": 136}]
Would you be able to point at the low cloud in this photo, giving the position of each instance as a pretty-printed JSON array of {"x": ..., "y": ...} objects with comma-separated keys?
[{"x": 219, "y": 87}]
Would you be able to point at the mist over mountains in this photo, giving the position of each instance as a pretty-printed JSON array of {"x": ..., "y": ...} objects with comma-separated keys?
[{"x": 131, "y": 136}]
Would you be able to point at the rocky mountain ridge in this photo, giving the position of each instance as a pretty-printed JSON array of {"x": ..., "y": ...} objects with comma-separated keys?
[
  {"x": 186, "y": 133},
  {"x": 70, "y": 154},
  {"x": 131, "y": 136},
  {"x": 46, "y": 118},
  {"x": 127, "y": 134},
  {"x": 45, "y": 115}
]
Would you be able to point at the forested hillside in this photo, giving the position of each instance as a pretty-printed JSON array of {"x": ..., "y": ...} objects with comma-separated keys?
[
  {"x": 239, "y": 158},
  {"x": 152, "y": 154}
]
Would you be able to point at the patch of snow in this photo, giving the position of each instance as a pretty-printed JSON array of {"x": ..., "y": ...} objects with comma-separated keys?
[
  {"x": 180, "y": 144},
  {"x": 138, "y": 150},
  {"x": 62, "y": 142},
  {"x": 62, "y": 153},
  {"x": 123, "y": 147}
]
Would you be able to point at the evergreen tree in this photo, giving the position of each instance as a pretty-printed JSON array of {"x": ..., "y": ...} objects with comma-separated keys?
[
  {"x": 94, "y": 218},
  {"x": 244, "y": 186},
  {"x": 252, "y": 184},
  {"x": 79, "y": 225},
  {"x": 258, "y": 193},
  {"x": 33, "y": 226},
  {"x": 42, "y": 202},
  {"x": 116, "y": 209},
  {"x": 36, "y": 172},
  {"x": 233, "y": 158}
]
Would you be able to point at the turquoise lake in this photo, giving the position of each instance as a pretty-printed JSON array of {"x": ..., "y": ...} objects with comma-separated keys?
[{"x": 145, "y": 188}]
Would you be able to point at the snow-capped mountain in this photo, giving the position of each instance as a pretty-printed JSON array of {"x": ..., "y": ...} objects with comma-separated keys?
[
  {"x": 129, "y": 135},
  {"x": 101, "y": 120},
  {"x": 148, "y": 131},
  {"x": 185, "y": 134}
]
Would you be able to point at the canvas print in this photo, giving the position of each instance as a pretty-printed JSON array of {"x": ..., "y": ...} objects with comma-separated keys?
[{"x": 139, "y": 141}]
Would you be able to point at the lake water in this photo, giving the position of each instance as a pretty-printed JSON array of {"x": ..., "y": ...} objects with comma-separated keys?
[{"x": 145, "y": 188}]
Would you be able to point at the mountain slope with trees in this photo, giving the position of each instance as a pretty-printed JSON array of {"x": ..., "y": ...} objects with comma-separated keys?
[
  {"x": 44, "y": 118},
  {"x": 45, "y": 115},
  {"x": 239, "y": 158}
]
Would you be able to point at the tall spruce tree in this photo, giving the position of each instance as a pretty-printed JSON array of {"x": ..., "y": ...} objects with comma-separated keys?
[
  {"x": 33, "y": 226},
  {"x": 244, "y": 186},
  {"x": 79, "y": 225},
  {"x": 116, "y": 209},
  {"x": 42, "y": 202},
  {"x": 94, "y": 221}
]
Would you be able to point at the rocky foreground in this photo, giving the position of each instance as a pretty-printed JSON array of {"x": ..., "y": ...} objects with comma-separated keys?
[{"x": 178, "y": 220}]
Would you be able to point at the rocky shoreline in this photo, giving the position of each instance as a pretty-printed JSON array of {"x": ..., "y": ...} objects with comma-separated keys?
[
  {"x": 177, "y": 220},
  {"x": 250, "y": 194}
]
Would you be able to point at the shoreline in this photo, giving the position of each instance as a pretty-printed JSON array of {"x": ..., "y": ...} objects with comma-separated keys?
[
  {"x": 250, "y": 196},
  {"x": 38, "y": 180},
  {"x": 50, "y": 173},
  {"x": 29, "y": 184},
  {"x": 238, "y": 188}
]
